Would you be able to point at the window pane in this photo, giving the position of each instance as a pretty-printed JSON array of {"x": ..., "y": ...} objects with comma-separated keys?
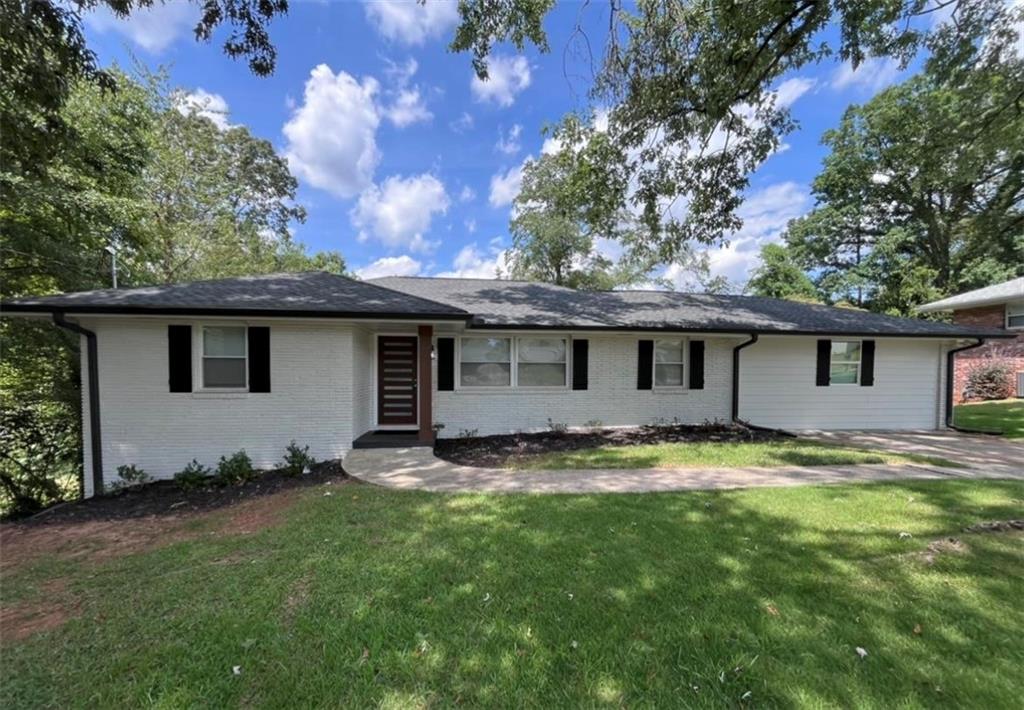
[
  {"x": 1015, "y": 321},
  {"x": 486, "y": 350},
  {"x": 846, "y": 350},
  {"x": 223, "y": 372},
  {"x": 844, "y": 374},
  {"x": 541, "y": 350},
  {"x": 668, "y": 375},
  {"x": 224, "y": 341},
  {"x": 541, "y": 374},
  {"x": 668, "y": 351},
  {"x": 486, "y": 374}
]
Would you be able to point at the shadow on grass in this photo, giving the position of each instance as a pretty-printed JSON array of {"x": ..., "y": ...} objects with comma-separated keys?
[{"x": 412, "y": 599}]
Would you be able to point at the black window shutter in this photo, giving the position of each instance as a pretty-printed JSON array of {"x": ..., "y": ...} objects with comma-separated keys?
[
  {"x": 580, "y": 364},
  {"x": 696, "y": 364},
  {"x": 259, "y": 359},
  {"x": 867, "y": 363},
  {"x": 179, "y": 358},
  {"x": 445, "y": 364},
  {"x": 824, "y": 363},
  {"x": 644, "y": 364}
]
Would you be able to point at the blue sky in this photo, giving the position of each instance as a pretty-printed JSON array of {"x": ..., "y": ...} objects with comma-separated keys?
[{"x": 406, "y": 163}]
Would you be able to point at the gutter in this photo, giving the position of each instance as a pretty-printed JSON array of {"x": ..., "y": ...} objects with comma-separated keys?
[
  {"x": 736, "y": 375},
  {"x": 95, "y": 440},
  {"x": 950, "y": 376}
]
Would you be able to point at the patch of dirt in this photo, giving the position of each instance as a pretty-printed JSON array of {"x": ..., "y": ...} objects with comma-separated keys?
[
  {"x": 996, "y": 526},
  {"x": 296, "y": 598},
  {"x": 53, "y": 608},
  {"x": 153, "y": 515},
  {"x": 945, "y": 546},
  {"x": 498, "y": 451}
]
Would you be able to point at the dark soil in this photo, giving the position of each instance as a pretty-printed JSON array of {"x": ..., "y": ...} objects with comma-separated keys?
[
  {"x": 496, "y": 451},
  {"x": 996, "y": 526},
  {"x": 165, "y": 498}
]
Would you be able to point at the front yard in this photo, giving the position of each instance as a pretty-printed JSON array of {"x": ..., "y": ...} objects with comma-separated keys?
[
  {"x": 1005, "y": 417},
  {"x": 346, "y": 595}
]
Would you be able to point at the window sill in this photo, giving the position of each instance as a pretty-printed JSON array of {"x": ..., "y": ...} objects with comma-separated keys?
[
  {"x": 511, "y": 390},
  {"x": 226, "y": 394},
  {"x": 670, "y": 390}
]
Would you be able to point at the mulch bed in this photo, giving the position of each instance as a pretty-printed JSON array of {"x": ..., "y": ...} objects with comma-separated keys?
[
  {"x": 165, "y": 498},
  {"x": 496, "y": 451}
]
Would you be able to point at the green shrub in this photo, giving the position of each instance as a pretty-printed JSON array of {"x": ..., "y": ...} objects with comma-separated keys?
[
  {"x": 129, "y": 476},
  {"x": 990, "y": 380},
  {"x": 297, "y": 459},
  {"x": 557, "y": 427},
  {"x": 195, "y": 475},
  {"x": 236, "y": 468}
]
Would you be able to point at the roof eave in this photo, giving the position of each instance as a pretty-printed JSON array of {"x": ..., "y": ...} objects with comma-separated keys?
[{"x": 39, "y": 308}]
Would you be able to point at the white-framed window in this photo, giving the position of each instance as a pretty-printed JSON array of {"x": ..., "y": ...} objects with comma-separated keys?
[
  {"x": 225, "y": 363},
  {"x": 670, "y": 362},
  {"x": 485, "y": 362},
  {"x": 528, "y": 362},
  {"x": 1015, "y": 316},
  {"x": 542, "y": 362},
  {"x": 844, "y": 364}
]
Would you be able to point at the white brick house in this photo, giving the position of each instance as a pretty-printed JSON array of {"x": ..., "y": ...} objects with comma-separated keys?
[{"x": 200, "y": 370}]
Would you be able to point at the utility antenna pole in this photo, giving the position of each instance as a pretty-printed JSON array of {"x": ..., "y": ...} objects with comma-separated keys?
[{"x": 113, "y": 248}]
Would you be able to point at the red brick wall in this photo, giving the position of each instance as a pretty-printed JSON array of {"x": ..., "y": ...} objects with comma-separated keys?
[{"x": 1011, "y": 351}]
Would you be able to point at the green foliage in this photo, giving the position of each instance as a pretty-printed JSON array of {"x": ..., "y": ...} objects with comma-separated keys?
[
  {"x": 922, "y": 194},
  {"x": 194, "y": 475},
  {"x": 38, "y": 462},
  {"x": 990, "y": 380},
  {"x": 691, "y": 90},
  {"x": 297, "y": 459},
  {"x": 234, "y": 469},
  {"x": 131, "y": 475},
  {"x": 779, "y": 276}
]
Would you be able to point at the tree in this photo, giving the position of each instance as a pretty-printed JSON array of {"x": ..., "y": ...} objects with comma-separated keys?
[
  {"x": 922, "y": 194},
  {"x": 44, "y": 56},
  {"x": 553, "y": 238},
  {"x": 779, "y": 276},
  {"x": 689, "y": 86}
]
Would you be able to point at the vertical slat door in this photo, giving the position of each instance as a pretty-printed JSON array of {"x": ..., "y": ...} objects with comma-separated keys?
[{"x": 396, "y": 380}]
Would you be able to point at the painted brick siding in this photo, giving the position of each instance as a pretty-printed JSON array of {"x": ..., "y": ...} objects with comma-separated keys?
[
  {"x": 777, "y": 387},
  {"x": 362, "y": 382},
  {"x": 1011, "y": 351},
  {"x": 311, "y": 400},
  {"x": 611, "y": 398}
]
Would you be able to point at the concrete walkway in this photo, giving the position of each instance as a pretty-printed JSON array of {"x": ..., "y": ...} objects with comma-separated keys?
[{"x": 418, "y": 468}]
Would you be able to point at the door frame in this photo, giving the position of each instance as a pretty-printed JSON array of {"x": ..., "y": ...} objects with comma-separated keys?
[{"x": 375, "y": 382}]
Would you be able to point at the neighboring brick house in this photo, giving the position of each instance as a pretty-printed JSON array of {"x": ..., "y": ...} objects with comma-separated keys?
[{"x": 998, "y": 306}]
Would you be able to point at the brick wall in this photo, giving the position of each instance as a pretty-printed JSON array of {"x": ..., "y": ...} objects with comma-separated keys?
[{"x": 1009, "y": 350}]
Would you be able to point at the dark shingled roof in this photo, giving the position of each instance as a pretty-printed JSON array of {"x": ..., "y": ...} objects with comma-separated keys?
[
  {"x": 523, "y": 304},
  {"x": 308, "y": 293}
]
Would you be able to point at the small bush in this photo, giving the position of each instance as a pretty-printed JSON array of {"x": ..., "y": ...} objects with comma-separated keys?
[
  {"x": 593, "y": 423},
  {"x": 468, "y": 433},
  {"x": 557, "y": 427},
  {"x": 129, "y": 476},
  {"x": 195, "y": 475},
  {"x": 236, "y": 468},
  {"x": 297, "y": 459},
  {"x": 990, "y": 380}
]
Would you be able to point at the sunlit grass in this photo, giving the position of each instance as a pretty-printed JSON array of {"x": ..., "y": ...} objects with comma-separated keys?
[
  {"x": 379, "y": 598},
  {"x": 1005, "y": 417}
]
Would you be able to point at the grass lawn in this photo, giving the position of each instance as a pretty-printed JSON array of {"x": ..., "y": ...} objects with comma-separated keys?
[
  {"x": 380, "y": 598},
  {"x": 710, "y": 454},
  {"x": 1005, "y": 416}
]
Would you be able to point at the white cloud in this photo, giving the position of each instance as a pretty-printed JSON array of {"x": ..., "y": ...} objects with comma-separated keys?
[
  {"x": 765, "y": 214},
  {"x": 407, "y": 103},
  {"x": 204, "y": 103},
  {"x": 873, "y": 75},
  {"x": 467, "y": 194},
  {"x": 399, "y": 212},
  {"x": 470, "y": 224},
  {"x": 403, "y": 265},
  {"x": 462, "y": 124},
  {"x": 507, "y": 76},
  {"x": 471, "y": 263},
  {"x": 408, "y": 108},
  {"x": 505, "y": 186},
  {"x": 792, "y": 89},
  {"x": 412, "y": 22},
  {"x": 509, "y": 143},
  {"x": 332, "y": 134},
  {"x": 153, "y": 28}
]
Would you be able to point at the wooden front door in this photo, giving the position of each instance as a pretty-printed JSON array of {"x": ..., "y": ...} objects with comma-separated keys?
[{"x": 396, "y": 379}]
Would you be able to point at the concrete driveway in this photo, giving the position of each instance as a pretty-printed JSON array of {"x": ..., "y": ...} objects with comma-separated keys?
[{"x": 989, "y": 454}]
